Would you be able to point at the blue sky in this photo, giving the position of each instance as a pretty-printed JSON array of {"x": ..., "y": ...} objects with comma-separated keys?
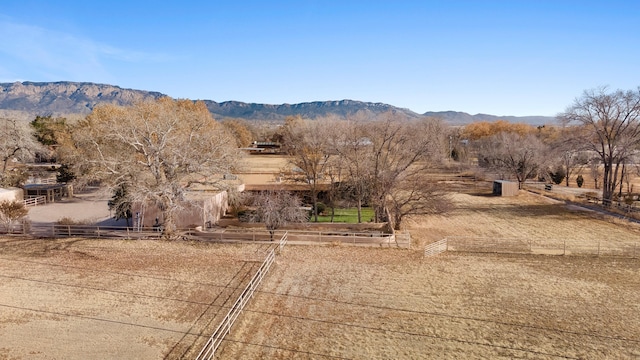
[{"x": 505, "y": 57}]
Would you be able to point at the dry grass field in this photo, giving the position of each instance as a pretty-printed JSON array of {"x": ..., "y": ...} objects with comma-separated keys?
[
  {"x": 90, "y": 299},
  {"x": 109, "y": 299},
  {"x": 348, "y": 303}
]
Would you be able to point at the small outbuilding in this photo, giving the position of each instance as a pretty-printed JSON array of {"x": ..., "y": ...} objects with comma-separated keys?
[
  {"x": 51, "y": 192},
  {"x": 505, "y": 188}
]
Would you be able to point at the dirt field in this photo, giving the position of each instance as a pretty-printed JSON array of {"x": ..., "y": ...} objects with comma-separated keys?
[
  {"x": 85, "y": 299},
  {"x": 352, "y": 303},
  {"x": 78, "y": 299},
  {"x": 526, "y": 216}
]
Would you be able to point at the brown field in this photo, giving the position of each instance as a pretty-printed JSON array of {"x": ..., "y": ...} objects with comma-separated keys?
[
  {"x": 91, "y": 299},
  {"x": 79, "y": 299}
]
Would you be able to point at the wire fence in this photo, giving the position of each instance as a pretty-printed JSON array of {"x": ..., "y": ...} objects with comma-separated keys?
[
  {"x": 210, "y": 347},
  {"x": 628, "y": 249}
]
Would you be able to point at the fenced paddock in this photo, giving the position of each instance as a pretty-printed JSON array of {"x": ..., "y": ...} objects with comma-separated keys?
[
  {"x": 92, "y": 299},
  {"x": 402, "y": 240},
  {"x": 372, "y": 303},
  {"x": 586, "y": 247},
  {"x": 209, "y": 349}
]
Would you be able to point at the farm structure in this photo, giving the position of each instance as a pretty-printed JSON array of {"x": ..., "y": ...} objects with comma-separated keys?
[
  {"x": 505, "y": 188},
  {"x": 51, "y": 192},
  {"x": 203, "y": 209}
]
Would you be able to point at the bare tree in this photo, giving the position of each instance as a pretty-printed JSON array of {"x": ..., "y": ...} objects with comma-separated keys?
[
  {"x": 352, "y": 145},
  {"x": 11, "y": 212},
  {"x": 385, "y": 158},
  {"x": 159, "y": 149},
  {"x": 401, "y": 151},
  {"x": 571, "y": 153},
  {"x": 18, "y": 143},
  {"x": 416, "y": 195},
  {"x": 276, "y": 209},
  {"x": 307, "y": 144},
  {"x": 522, "y": 156},
  {"x": 611, "y": 121}
]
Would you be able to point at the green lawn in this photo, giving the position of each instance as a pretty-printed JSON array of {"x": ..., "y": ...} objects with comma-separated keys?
[{"x": 348, "y": 215}]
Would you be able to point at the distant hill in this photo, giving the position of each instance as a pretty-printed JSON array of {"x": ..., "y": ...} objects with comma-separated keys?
[
  {"x": 62, "y": 98},
  {"x": 462, "y": 118},
  {"x": 28, "y": 99},
  {"x": 312, "y": 110}
]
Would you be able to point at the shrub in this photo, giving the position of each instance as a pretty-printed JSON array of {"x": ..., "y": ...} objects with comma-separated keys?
[
  {"x": 558, "y": 175},
  {"x": 579, "y": 181},
  {"x": 321, "y": 207},
  {"x": 11, "y": 212}
]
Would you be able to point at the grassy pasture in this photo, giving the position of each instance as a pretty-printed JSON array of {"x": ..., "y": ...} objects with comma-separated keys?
[{"x": 346, "y": 215}]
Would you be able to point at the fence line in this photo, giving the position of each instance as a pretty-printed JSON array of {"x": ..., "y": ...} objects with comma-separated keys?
[
  {"x": 436, "y": 248},
  {"x": 538, "y": 246},
  {"x": 282, "y": 243},
  {"x": 223, "y": 235},
  {"x": 34, "y": 201},
  {"x": 209, "y": 349}
]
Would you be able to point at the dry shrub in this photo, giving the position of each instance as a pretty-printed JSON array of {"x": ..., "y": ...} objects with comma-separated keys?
[{"x": 69, "y": 221}]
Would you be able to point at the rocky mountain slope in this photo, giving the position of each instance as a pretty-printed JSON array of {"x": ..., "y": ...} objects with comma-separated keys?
[{"x": 28, "y": 99}]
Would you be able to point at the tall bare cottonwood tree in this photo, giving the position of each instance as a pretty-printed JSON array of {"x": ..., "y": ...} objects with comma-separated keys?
[
  {"x": 307, "y": 144},
  {"x": 611, "y": 121},
  {"x": 157, "y": 149},
  {"x": 391, "y": 154},
  {"x": 17, "y": 142}
]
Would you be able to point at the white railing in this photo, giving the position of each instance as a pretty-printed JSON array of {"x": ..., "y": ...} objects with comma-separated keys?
[
  {"x": 436, "y": 248},
  {"x": 326, "y": 237},
  {"x": 209, "y": 349},
  {"x": 282, "y": 243},
  {"x": 34, "y": 201}
]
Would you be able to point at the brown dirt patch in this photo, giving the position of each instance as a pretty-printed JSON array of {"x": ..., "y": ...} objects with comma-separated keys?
[
  {"x": 89, "y": 299},
  {"x": 354, "y": 303}
]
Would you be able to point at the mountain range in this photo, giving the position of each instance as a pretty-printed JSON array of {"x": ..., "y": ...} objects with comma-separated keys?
[{"x": 64, "y": 98}]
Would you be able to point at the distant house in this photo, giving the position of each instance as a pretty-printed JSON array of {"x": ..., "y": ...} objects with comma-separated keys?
[
  {"x": 505, "y": 188},
  {"x": 262, "y": 147}
]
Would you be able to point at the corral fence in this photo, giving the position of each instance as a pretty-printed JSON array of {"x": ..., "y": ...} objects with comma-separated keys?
[
  {"x": 535, "y": 246},
  {"x": 381, "y": 239},
  {"x": 209, "y": 349},
  {"x": 94, "y": 231},
  {"x": 35, "y": 201},
  {"x": 436, "y": 248},
  {"x": 375, "y": 238}
]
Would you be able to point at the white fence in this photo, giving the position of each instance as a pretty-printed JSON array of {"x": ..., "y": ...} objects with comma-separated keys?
[
  {"x": 209, "y": 349},
  {"x": 302, "y": 236},
  {"x": 536, "y": 246},
  {"x": 436, "y": 248},
  {"x": 34, "y": 201}
]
